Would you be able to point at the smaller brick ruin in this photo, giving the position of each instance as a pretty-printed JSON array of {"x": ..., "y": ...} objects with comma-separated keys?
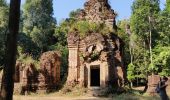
[
  {"x": 152, "y": 83},
  {"x": 50, "y": 69},
  {"x": 29, "y": 78},
  {"x": 153, "y": 80}
]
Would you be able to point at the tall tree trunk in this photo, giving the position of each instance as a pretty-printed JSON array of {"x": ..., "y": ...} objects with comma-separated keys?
[{"x": 10, "y": 51}]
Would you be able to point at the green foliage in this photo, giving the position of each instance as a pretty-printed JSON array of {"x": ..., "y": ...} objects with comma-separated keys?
[
  {"x": 145, "y": 14},
  {"x": 125, "y": 37},
  {"x": 95, "y": 56},
  {"x": 61, "y": 35},
  {"x": 3, "y": 16},
  {"x": 27, "y": 46},
  {"x": 84, "y": 28},
  {"x": 164, "y": 28},
  {"x": 3, "y": 3},
  {"x": 161, "y": 54},
  {"x": 140, "y": 24},
  {"x": 132, "y": 48},
  {"x": 26, "y": 58},
  {"x": 168, "y": 5},
  {"x": 4, "y": 12},
  {"x": 64, "y": 57},
  {"x": 39, "y": 23},
  {"x": 161, "y": 59},
  {"x": 131, "y": 72},
  {"x": 73, "y": 14}
]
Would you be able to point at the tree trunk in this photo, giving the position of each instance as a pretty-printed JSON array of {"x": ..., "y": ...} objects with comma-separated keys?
[
  {"x": 130, "y": 84},
  {"x": 10, "y": 51},
  {"x": 146, "y": 87}
]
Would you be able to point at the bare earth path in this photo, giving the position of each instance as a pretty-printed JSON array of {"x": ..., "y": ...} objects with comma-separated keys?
[{"x": 56, "y": 98}]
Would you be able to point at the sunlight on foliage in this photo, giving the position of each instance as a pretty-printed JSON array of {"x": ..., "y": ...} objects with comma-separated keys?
[
  {"x": 130, "y": 72},
  {"x": 27, "y": 58},
  {"x": 84, "y": 28}
]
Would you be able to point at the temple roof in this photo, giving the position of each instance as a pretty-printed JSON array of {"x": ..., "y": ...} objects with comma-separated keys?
[{"x": 98, "y": 11}]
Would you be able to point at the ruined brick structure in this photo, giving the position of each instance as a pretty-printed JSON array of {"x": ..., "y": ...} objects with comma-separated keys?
[
  {"x": 50, "y": 69},
  {"x": 152, "y": 84},
  {"x": 96, "y": 60},
  {"x": 29, "y": 78}
]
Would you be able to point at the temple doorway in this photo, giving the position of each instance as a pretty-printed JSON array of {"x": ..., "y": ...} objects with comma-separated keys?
[{"x": 95, "y": 75}]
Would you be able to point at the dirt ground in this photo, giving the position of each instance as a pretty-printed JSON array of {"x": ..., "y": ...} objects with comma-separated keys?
[{"x": 56, "y": 98}]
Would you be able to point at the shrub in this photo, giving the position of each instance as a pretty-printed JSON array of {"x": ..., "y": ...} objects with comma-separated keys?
[
  {"x": 27, "y": 59},
  {"x": 84, "y": 28}
]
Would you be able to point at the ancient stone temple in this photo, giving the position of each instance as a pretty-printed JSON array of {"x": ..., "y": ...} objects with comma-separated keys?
[{"x": 96, "y": 60}]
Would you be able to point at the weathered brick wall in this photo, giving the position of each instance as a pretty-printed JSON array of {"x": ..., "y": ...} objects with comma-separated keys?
[{"x": 50, "y": 67}]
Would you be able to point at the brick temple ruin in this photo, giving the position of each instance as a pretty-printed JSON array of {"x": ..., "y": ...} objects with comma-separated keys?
[
  {"x": 30, "y": 79},
  {"x": 96, "y": 60}
]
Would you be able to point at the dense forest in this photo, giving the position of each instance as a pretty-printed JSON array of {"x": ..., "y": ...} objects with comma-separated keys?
[
  {"x": 148, "y": 39},
  {"x": 146, "y": 35}
]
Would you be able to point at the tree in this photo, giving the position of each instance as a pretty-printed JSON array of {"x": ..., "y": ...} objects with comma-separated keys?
[
  {"x": 162, "y": 60},
  {"x": 10, "y": 51},
  {"x": 143, "y": 25},
  {"x": 168, "y": 5},
  {"x": 164, "y": 28},
  {"x": 3, "y": 27},
  {"x": 142, "y": 12},
  {"x": 161, "y": 56},
  {"x": 125, "y": 35},
  {"x": 60, "y": 35},
  {"x": 61, "y": 45},
  {"x": 131, "y": 74},
  {"x": 39, "y": 23}
]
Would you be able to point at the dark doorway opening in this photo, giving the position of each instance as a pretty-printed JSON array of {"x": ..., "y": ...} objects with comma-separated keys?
[{"x": 95, "y": 76}]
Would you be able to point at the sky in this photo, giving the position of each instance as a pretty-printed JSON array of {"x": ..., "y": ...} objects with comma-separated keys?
[
  {"x": 62, "y": 8},
  {"x": 122, "y": 7}
]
